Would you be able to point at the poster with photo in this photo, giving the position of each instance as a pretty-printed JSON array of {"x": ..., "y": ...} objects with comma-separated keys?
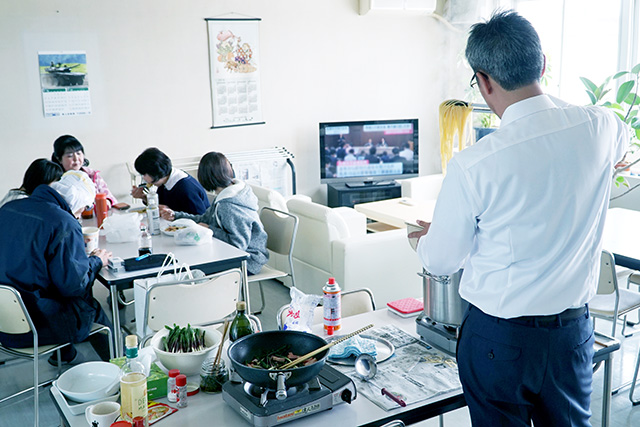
[
  {"x": 234, "y": 52},
  {"x": 64, "y": 82}
]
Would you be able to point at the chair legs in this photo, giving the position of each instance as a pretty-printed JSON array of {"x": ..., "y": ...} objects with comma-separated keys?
[
  {"x": 633, "y": 382},
  {"x": 262, "y": 304}
]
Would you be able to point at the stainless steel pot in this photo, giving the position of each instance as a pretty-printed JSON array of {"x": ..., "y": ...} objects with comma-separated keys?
[{"x": 442, "y": 302}]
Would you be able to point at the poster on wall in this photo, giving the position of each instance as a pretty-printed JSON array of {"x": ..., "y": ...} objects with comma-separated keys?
[
  {"x": 65, "y": 83},
  {"x": 234, "y": 61}
]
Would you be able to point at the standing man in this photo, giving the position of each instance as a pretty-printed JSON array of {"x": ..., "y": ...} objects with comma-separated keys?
[{"x": 522, "y": 212}]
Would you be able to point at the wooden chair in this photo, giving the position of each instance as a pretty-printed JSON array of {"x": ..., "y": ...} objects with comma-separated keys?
[
  {"x": 281, "y": 228},
  {"x": 353, "y": 302},
  {"x": 15, "y": 319}
]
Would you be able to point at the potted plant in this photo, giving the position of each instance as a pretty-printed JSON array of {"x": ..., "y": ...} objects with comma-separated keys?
[{"x": 626, "y": 106}]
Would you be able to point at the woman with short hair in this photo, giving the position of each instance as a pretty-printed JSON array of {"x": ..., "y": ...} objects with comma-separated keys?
[{"x": 40, "y": 171}]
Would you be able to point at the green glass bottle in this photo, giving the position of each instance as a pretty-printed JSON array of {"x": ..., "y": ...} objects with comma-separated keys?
[{"x": 241, "y": 325}]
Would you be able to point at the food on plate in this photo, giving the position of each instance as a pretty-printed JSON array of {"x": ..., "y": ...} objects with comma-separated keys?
[
  {"x": 174, "y": 228},
  {"x": 277, "y": 358},
  {"x": 183, "y": 340}
]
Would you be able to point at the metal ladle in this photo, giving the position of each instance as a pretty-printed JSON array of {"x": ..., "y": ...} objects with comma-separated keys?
[{"x": 366, "y": 368}]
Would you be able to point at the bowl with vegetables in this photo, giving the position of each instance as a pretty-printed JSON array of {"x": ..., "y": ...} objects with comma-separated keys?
[{"x": 185, "y": 347}]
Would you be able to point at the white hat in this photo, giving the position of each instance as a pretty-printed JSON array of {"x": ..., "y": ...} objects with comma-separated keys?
[{"x": 77, "y": 189}]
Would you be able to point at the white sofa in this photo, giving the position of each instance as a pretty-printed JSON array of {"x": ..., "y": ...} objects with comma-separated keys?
[
  {"x": 426, "y": 187},
  {"x": 333, "y": 242}
]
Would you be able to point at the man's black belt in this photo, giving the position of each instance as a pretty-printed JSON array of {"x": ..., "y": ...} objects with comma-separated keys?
[{"x": 553, "y": 319}]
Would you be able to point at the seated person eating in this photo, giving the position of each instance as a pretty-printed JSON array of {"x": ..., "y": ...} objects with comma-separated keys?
[{"x": 177, "y": 190}]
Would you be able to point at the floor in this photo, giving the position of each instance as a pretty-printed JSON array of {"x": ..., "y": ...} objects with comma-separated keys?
[{"x": 16, "y": 375}]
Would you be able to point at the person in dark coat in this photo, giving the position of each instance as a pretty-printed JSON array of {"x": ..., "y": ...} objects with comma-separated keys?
[{"x": 43, "y": 258}]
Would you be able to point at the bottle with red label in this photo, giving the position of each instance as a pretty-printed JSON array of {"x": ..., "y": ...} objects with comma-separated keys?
[
  {"x": 332, "y": 306},
  {"x": 102, "y": 208}
]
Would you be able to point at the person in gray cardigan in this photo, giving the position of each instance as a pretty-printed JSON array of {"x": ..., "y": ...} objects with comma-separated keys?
[{"x": 233, "y": 215}]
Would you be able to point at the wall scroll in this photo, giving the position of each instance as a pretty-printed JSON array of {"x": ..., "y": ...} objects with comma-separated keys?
[{"x": 235, "y": 71}]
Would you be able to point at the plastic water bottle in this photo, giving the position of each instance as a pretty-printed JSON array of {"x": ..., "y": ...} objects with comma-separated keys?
[
  {"x": 133, "y": 384},
  {"x": 153, "y": 212},
  {"x": 144, "y": 241},
  {"x": 332, "y": 306}
]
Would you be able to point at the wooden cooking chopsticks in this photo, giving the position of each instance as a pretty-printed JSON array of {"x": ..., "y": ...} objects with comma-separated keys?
[{"x": 323, "y": 348}]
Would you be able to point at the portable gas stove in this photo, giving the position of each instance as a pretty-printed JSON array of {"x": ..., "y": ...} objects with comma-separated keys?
[
  {"x": 445, "y": 337},
  {"x": 261, "y": 408}
]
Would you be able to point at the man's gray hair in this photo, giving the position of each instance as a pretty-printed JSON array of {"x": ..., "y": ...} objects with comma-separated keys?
[{"x": 507, "y": 48}]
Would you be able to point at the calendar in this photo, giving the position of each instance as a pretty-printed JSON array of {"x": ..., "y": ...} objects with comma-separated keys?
[{"x": 65, "y": 83}]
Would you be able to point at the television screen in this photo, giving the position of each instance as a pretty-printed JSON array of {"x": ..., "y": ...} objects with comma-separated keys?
[{"x": 368, "y": 152}]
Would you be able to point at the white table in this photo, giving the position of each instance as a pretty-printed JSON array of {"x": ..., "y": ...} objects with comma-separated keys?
[
  {"x": 204, "y": 408},
  {"x": 211, "y": 258},
  {"x": 396, "y": 212}
]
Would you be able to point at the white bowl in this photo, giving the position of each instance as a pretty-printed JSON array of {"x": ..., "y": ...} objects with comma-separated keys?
[
  {"x": 90, "y": 381},
  {"x": 188, "y": 363},
  {"x": 412, "y": 227}
]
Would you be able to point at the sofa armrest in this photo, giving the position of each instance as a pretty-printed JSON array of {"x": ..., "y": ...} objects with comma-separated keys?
[
  {"x": 356, "y": 221},
  {"x": 383, "y": 262}
]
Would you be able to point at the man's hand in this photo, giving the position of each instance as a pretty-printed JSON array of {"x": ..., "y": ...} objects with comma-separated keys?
[
  {"x": 419, "y": 234},
  {"x": 103, "y": 254},
  {"x": 138, "y": 193}
]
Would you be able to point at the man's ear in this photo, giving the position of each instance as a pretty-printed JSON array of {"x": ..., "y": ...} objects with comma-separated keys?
[{"x": 485, "y": 82}]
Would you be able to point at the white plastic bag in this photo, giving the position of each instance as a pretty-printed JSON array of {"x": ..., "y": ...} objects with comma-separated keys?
[
  {"x": 119, "y": 228},
  {"x": 193, "y": 235},
  {"x": 299, "y": 316}
]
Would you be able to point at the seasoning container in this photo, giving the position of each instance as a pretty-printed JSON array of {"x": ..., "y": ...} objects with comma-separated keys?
[
  {"x": 87, "y": 213},
  {"x": 138, "y": 422},
  {"x": 213, "y": 375},
  {"x": 101, "y": 207},
  {"x": 172, "y": 388},
  {"x": 332, "y": 306},
  {"x": 181, "y": 383}
]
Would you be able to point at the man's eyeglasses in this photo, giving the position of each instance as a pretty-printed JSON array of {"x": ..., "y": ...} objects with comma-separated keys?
[{"x": 474, "y": 80}]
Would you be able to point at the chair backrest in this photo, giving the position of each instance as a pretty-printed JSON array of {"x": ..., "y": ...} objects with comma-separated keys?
[
  {"x": 14, "y": 318},
  {"x": 353, "y": 302},
  {"x": 608, "y": 282},
  {"x": 198, "y": 302},
  {"x": 318, "y": 226},
  {"x": 281, "y": 228},
  {"x": 269, "y": 198}
]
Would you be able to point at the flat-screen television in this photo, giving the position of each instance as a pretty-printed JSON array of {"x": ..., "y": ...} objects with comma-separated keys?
[{"x": 368, "y": 152}]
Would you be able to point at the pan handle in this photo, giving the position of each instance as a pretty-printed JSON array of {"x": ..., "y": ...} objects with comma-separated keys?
[{"x": 281, "y": 388}]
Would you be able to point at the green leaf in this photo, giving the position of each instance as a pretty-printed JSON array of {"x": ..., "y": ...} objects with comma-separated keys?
[
  {"x": 619, "y": 115},
  {"x": 594, "y": 99},
  {"x": 636, "y": 125},
  {"x": 624, "y": 90},
  {"x": 638, "y": 133},
  {"x": 619, "y": 74},
  {"x": 632, "y": 99},
  {"x": 589, "y": 84},
  {"x": 620, "y": 179},
  {"x": 636, "y": 69}
]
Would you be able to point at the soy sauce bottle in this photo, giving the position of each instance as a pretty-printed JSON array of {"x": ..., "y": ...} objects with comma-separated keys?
[{"x": 241, "y": 325}]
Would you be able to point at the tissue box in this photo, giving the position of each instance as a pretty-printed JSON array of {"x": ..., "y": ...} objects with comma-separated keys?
[{"x": 156, "y": 382}]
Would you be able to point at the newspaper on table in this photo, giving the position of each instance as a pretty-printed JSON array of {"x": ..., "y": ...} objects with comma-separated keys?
[{"x": 415, "y": 372}]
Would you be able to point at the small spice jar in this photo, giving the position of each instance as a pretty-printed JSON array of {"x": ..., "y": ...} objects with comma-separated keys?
[
  {"x": 172, "y": 389},
  {"x": 181, "y": 383},
  {"x": 212, "y": 376}
]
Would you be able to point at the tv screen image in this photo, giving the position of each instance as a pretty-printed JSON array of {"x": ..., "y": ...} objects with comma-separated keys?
[{"x": 368, "y": 151}]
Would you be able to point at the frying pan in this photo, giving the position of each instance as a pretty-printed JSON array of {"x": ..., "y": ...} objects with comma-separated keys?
[{"x": 256, "y": 345}]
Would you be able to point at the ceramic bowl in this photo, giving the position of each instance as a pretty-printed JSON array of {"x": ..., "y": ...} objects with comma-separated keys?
[
  {"x": 90, "y": 381},
  {"x": 188, "y": 363}
]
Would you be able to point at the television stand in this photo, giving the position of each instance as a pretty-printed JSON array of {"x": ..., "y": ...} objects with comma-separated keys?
[
  {"x": 353, "y": 193},
  {"x": 368, "y": 184}
]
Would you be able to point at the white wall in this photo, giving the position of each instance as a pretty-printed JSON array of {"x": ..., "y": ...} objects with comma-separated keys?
[{"x": 148, "y": 67}]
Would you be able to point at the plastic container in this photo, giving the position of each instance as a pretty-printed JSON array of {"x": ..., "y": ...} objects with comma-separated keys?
[
  {"x": 332, "y": 306},
  {"x": 145, "y": 243},
  {"x": 172, "y": 388},
  {"x": 101, "y": 207},
  {"x": 87, "y": 213},
  {"x": 133, "y": 384},
  {"x": 213, "y": 376},
  {"x": 181, "y": 384},
  {"x": 153, "y": 212}
]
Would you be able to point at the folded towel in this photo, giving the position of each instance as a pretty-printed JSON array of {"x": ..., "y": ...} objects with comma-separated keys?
[{"x": 354, "y": 346}]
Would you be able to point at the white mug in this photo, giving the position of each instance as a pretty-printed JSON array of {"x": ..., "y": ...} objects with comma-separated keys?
[{"x": 102, "y": 414}]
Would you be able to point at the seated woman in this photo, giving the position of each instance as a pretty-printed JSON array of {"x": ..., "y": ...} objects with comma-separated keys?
[
  {"x": 233, "y": 217},
  {"x": 40, "y": 171},
  {"x": 43, "y": 257},
  {"x": 68, "y": 152},
  {"x": 176, "y": 189}
]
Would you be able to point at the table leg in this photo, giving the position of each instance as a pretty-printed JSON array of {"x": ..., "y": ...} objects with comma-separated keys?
[
  {"x": 606, "y": 392},
  {"x": 115, "y": 314}
]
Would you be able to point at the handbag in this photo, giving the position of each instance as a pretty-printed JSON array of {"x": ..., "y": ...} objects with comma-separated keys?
[{"x": 140, "y": 287}]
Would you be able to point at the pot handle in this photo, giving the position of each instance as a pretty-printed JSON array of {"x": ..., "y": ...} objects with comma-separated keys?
[{"x": 441, "y": 279}]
